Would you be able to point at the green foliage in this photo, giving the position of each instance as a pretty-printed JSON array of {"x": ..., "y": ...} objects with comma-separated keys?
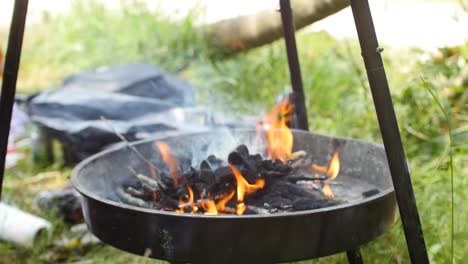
[{"x": 338, "y": 102}]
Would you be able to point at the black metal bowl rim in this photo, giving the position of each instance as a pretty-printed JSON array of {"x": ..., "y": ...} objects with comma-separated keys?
[{"x": 83, "y": 163}]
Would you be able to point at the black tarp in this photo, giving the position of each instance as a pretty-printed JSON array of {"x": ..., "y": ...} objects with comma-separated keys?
[{"x": 137, "y": 99}]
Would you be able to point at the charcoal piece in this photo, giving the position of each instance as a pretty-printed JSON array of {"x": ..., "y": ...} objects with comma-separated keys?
[
  {"x": 214, "y": 162},
  {"x": 207, "y": 176},
  {"x": 240, "y": 156},
  {"x": 201, "y": 187},
  {"x": 181, "y": 192},
  {"x": 287, "y": 197},
  {"x": 168, "y": 202},
  {"x": 307, "y": 203},
  {"x": 223, "y": 174},
  {"x": 278, "y": 202},
  {"x": 166, "y": 180},
  {"x": 370, "y": 192},
  {"x": 243, "y": 151},
  {"x": 257, "y": 158},
  {"x": 268, "y": 164},
  {"x": 278, "y": 165},
  {"x": 212, "y": 159},
  {"x": 235, "y": 158},
  {"x": 251, "y": 176},
  {"x": 191, "y": 175},
  {"x": 271, "y": 175},
  {"x": 205, "y": 165}
]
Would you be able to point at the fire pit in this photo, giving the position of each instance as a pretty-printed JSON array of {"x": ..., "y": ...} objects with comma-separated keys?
[
  {"x": 365, "y": 208},
  {"x": 275, "y": 237}
]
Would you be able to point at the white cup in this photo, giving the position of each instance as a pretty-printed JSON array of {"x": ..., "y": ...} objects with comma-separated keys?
[{"x": 20, "y": 227}]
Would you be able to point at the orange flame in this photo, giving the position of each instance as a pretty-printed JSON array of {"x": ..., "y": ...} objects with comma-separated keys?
[
  {"x": 334, "y": 166},
  {"x": 221, "y": 205},
  {"x": 169, "y": 159},
  {"x": 318, "y": 168},
  {"x": 279, "y": 136},
  {"x": 332, "y": 171},
  {"x": 327, "y": 190},
  {"x": 189, "y": 200},
  {"x": 210, "y": 207},
  {"x": 240, "y": 208},
  {"x": 244, "y": 188}
]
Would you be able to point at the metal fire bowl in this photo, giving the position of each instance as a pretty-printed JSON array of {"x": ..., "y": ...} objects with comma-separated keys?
[{"x": 272, "y": 238}]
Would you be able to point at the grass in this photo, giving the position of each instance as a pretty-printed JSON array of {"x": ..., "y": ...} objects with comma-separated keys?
[{"x": 338, "y": 101}]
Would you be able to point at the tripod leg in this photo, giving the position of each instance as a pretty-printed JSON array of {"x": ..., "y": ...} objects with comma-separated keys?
[{"x": 354, "y": 256}]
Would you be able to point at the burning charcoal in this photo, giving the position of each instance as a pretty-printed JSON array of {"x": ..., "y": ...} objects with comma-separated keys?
[
  {"x": 223, "y": 174},
  {"x": 370, "y": 193}
]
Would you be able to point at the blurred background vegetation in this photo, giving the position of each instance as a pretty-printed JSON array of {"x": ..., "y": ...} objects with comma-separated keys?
[{"x": 338, "y": 102}]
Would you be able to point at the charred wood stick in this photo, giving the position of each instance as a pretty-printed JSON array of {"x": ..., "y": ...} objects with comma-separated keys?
[
  {"x": 295, "y": 179},
  {"x": 134, "y": 192},
  {"x": 130, "y": 146},
  {"x": 256, "y": 210},
  {"x": 300, "y": 154},
  {"x": 129, "y": 199},
  {"x": 147, "y": 181},
  {"x": 195, "y": 203},
  {"x": 300, "y": 163},
  {"x": 228, "y": 210}
]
